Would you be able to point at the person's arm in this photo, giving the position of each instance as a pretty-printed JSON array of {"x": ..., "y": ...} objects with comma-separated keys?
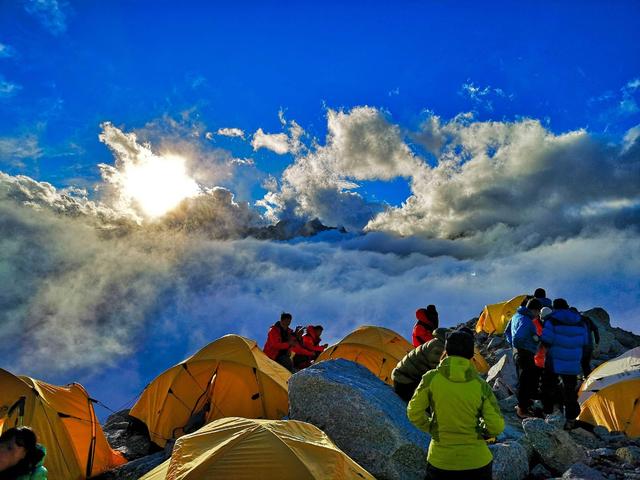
[
  {"x": 548, "y": 333},
  {"x": 300, "y": 350},
  {"x": 493, "y": 419},
  {"x": 308, "y": 344},
  {"x": 596, "y": 332},
  {"x": 275, "y": 339},
  {"x": 419, "y": 404}
]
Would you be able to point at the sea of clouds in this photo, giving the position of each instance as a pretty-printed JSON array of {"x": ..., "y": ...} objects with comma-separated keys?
[{"x": 496, "y": 209}]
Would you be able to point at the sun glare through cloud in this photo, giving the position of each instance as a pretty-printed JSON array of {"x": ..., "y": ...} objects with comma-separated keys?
[{"x": 158, "y": 184}]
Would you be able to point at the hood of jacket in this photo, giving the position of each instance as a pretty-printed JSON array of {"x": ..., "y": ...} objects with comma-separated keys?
[
  {"x": 457, "y": 369},
  {"x": 522, "y": 310},
  {"x": 567, "y": 317}
]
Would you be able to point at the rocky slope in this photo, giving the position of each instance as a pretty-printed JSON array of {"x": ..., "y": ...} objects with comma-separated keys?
[{"x": 365, "y": 418}]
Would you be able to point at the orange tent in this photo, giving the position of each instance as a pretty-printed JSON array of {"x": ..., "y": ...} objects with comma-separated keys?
[
  {"x": 377, "y": 348},
  {"x": 229, "y": 377},
  {"x": 65, "y": 423}
]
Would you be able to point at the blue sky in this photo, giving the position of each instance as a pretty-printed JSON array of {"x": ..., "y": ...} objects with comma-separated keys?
[{"x": 473, "y": 153}]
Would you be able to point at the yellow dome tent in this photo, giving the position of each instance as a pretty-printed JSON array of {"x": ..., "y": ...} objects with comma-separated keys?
[
  {"x": 229, "y": 377},
  {"x": 610, "y": 396},
  {"x": 494, "y": 318},
  {"x": 65, "y": 423},
  {"x": 243, "y": 449},
  {"x": 377, "y": 348}
]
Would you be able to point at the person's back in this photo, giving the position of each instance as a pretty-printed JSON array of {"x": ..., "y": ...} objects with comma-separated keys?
[
  {"x": 541, "y": 295},
  {"x": 451, "y": 403},
  {"x": 409, "y": 371},
  {"x": 565, "y": 335}
]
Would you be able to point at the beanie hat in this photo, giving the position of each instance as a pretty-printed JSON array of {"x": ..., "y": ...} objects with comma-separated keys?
[
  {"x": 545, "y": 312},
  {"x": 460, "y": 344}
]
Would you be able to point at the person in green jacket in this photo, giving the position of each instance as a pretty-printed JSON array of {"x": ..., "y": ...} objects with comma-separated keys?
[
  {"x": 459, "y": 410},
  {"x": 409, "y": 371},
  {"x": 21, "y": 457}
]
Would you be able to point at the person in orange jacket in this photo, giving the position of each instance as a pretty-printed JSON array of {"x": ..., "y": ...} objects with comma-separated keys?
[
  {"x": 282, "y": 341},
  {"x": 311, "y": 343},
  {"x": 426, "y": 324}
]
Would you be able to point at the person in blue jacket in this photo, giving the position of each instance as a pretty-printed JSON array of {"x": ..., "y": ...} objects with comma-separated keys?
[
  {"x": 564, "y": 335},
  {"x": 521, "y": 334}
]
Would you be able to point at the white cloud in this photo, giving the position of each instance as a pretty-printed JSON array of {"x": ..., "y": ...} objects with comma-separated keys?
[
  {"x": 483, "y": 97},
  {"x": 6, "y": 51},
  {"x": 8, "y": 89},
  {"x": 50, "y": 13},
  {"x": 231, "y": 132},
  {"x": 14, "y": 150},
  {"x": 276, "y": 142}
]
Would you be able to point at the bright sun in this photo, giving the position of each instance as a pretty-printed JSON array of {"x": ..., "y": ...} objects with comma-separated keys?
[{"x": 158, "y": 183}]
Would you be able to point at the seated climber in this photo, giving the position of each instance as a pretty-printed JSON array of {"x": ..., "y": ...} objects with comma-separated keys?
[
  {"x": 311, "y": 347},
  {"x": 459, "y": 410},
  {"x": 281, "y": 340},
  {"x": 21, "y": 456},
  {"x": 426, "y": 324},
  {"x": 409, "y": 371}
]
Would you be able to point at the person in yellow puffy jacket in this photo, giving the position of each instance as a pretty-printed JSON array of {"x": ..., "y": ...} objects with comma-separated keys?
[{"x": 460, "y": 412}]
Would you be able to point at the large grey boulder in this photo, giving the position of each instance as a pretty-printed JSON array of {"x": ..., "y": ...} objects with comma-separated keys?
[
  {"x": 555, "y": 447},
  {"x": 609, "y": 345},
  {"x": 510, "y": 461},
  {"x": 362, "y": 415},
  {"x": 128, "y": 435},
  {"x": 503, "y": 377}
]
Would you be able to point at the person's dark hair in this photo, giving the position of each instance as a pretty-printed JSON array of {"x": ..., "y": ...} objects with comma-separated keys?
[
  {"x": 540, "y": 293},
  {"x": 560, "y": 304},
  {"x": 285, "y": 315},
  {"x": 318, "y": 328},
  {"x": 534, "y": 304},
  {"x": 459, "y": 343},
  {"x": 26, "y": 438},
  {"x": 466, "y": 330}
]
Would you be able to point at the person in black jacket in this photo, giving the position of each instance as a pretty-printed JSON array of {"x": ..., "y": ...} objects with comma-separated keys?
[{"x": 587, "y": 351}]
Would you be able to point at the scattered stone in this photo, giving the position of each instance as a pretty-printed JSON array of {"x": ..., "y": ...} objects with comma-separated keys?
[
  {"x": 509, "y": 403},
  {"x": 601, "y": 432},
  {"x": 539, "y": 473},
  {"x": 510, "y": 433},
  {"x": 497, "y": 342},
  {"x": 630, "y": 455},
  {"x": 555, "y": 447},
  {"x": 509, "y": 461},
  {"x": 586, "y": 439},
  {"x": 362, "y": 415},
  {"x": 601, "y": 452},
  {"x": 135, "y": 468},
  {"x": 580, "y": 471},
  {"x": 555, "y": 419}
]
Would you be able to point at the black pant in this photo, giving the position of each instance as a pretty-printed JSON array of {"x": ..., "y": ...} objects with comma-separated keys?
[
  {"x": 285, "y": 360},
  {"x": 587, "y": 352},
  {"x": 569, "y": 393},
  {"x": 405, "y": 390},
  {"x": 528, "y": 377},
  {"x": 483, "y": 473}
]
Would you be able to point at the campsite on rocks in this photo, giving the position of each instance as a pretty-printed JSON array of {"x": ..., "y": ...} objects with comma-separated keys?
[
  {"x": 336, "y": 240},
  {"x": 229, "y": 411}
]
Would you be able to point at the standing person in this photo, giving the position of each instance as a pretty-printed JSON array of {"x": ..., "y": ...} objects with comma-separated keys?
[
  {"x": 426, "y": 324},
  {"x": 564, "y": 336},
  {"x": 524, "y": 339},
  {"x": 21, "y": 456},
  {"x": 541, "y": 295},
  {"x": 409, "y": 371},
  {"x": 311, "y": 347},
  {"x": 458, "y": 409},
  {"x": 280, "y": 341},
  {"x": 594, "y": 340}
]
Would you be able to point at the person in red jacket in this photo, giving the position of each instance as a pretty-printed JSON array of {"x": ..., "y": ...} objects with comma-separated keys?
[
  {"x": 426, "y": 324},
  {"x": 281, "y": 341},
  {"x": 311, "y": 343}
]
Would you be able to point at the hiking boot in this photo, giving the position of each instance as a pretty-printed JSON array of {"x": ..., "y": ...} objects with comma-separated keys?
[{"x": 523, "y": 413}]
